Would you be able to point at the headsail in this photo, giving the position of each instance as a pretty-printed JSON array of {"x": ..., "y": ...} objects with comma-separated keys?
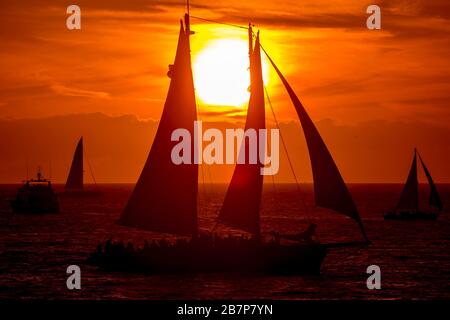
[
  {"x": 75, "y": 177},
  {"x": 409, "y": 199},
  {"x": 330, "y": 190},
  {"x": 243, "y": 198},
  {"x": 165, "y": 196},
  {"x": 434, "y": 199}
]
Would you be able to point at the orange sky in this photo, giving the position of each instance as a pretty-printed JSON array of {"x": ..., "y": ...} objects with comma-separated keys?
[{"x": 341, "y": 71}]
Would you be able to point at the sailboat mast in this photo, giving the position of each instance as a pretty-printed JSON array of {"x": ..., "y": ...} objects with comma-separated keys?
[
  {"x": 187, "y": 20},
  {"x": 417, "y": 198},
  {"x": 250, "y": 42}
]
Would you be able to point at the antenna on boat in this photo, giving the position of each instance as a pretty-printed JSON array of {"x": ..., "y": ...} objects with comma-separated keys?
[
  {"x": 187, "y": 6},
  {"x": 26, "y": 164}
]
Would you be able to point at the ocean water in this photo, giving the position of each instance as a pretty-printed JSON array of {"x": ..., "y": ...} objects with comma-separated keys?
[{"x": 414, "y": 257}]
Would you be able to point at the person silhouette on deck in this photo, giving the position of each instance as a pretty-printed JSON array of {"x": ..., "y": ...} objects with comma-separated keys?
[{"x": 305, "y": 236}]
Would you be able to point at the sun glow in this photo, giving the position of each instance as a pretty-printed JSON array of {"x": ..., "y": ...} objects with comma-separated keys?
[{"x": 221, "y": 74}]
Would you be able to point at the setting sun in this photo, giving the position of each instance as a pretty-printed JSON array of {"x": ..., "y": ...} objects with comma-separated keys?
[{"x": 221, "y": 73}]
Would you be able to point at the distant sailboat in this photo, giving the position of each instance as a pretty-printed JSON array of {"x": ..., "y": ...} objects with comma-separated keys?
[
  {"x": 408, "y": 205},
  {"x": 75, "y": 180},
  {"x": 165, "y": 196},
  {"x": 75, "y": 177}
]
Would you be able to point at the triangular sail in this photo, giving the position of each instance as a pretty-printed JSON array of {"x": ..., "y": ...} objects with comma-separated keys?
[
  {"x": 434, "y": 198},
  {"x": 165, "y": 196},
  {"x": 409, "y": 199},
  {"x": 243, "y": 198},
  {"x": 330, "y": 190},
  {"x": 75, "y": 177}
]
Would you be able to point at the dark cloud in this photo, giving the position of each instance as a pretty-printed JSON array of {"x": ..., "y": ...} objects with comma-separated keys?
[
  {"x": 418, "y": 8},
  {"x": 342, "y": 86},
  {"x": 396, "y": 14},
  {"x": 326, "y": 20}
]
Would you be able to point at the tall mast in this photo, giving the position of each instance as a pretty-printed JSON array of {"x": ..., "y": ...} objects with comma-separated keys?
[
  {"x": 186, "y": 19},
  {"x": 188, "y": 24},
  {"x": 417, "y": 180},
  {"x": 250, "y": 42}
]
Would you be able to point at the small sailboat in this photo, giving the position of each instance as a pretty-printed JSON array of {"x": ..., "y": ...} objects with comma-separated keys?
[
  {"x": 408, "y": 207},
  {"x": 36, "y": 196},
  {"x": 165, "y": 197},
  {"x": 75, "y": 181}
]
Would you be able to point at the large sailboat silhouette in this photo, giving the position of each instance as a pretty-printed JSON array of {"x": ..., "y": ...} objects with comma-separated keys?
[
  {"x": 165, "y": 196},
  {"x": 408, "y": 206}
]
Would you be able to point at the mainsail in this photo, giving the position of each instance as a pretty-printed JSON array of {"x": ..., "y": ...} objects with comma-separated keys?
[
  {"x": 243, "y": 198},
  {"x": 434, "y": 198},
  {"x": 75, "y": 178},
  {"x": 330, "y": 190},
  {"x": 409, "y": 199},
  {"x": 165, "y": 196}
]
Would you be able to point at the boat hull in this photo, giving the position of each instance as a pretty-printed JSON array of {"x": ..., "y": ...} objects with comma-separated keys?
[
  {"x": 36, "y": 199},
  {"x": 411, "y": 215},
  {"x": 34, "y": 207},
  {"x": 298, "y": 259}
]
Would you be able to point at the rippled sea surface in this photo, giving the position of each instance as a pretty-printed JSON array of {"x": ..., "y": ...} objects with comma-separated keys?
[{"x": 414, "y": 257}]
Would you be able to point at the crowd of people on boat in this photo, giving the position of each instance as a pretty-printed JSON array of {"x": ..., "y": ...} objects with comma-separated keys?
[
  {"x": 119, "y": 252},
  {"x": 110, "y": 247}
]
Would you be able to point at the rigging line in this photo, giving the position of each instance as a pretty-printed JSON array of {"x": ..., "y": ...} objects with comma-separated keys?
[
  {"x": 211, "y": 189},
  {"x": 203, "y": 174},
  {"x": 212, "y": 192},
  {"x": 274, "y": 190},
  {"x": 197, "y": 108},
  {"x": 219, "y": 22},
  {"x": 202, "y": 164},
  {"x": 264, "y": 50},
  {"x": 297, "y": 184},
  {"x": 90, "y": 169},
  {"x": 203, "y": 181}
]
